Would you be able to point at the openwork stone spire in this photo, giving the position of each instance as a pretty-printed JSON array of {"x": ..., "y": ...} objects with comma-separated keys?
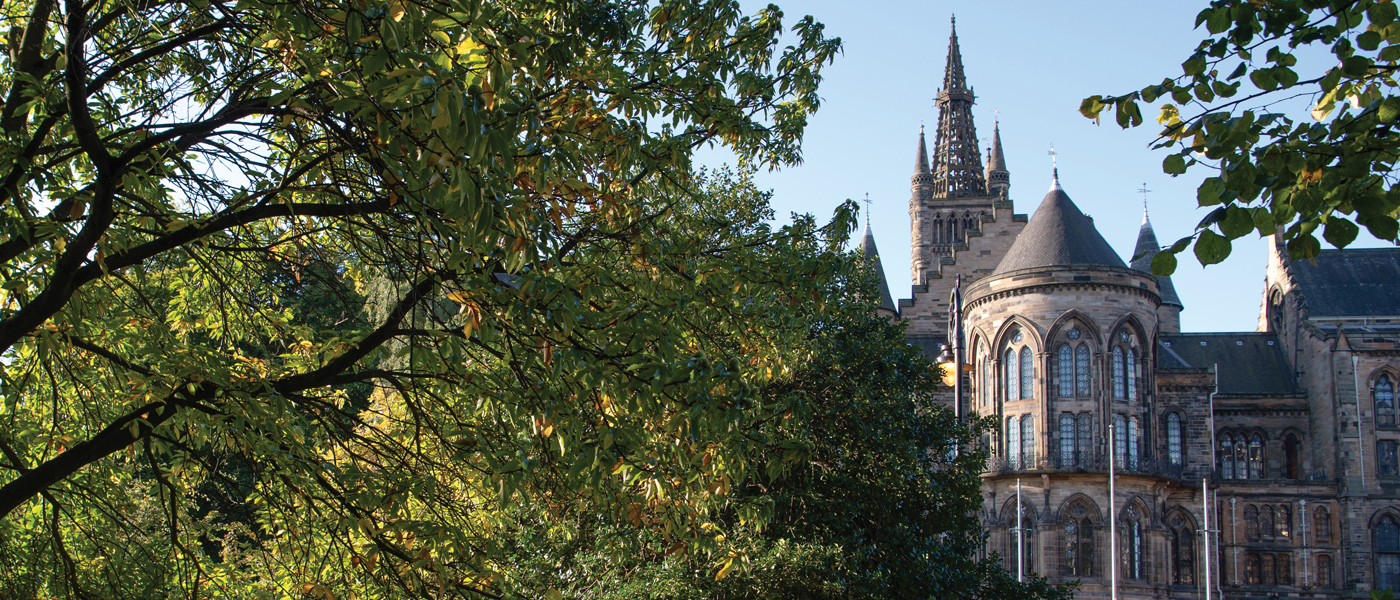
[{"x": 957, "y": 163}]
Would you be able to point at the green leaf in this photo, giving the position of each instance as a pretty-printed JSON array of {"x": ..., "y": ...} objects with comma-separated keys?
[
  {"x": 1237, "y": 222},
  {"x": 1382, "y": 226},
  {"x": 1368, "y": 41},
  {"x": 1092, "y": 106},
  {"x": 1239, "y": 71},
  {"x": 1356, "y": 66},
  {"x": 1340, "y": 232},
  {"x": 1219, "y": 20},
  {"x": 1263, "y": 79},
  {"x": 1174, "y": 165},
  {"x": 1264, "y": 222},
  {"x": 1195, "y": 65},
  {"x": 1211, "y": 248},
  {"x": 1304, "y": 246},
  {"x": 1164, "y": 263},
  {"x": 1389, "y": 110},
  {"x": 1208, "y": 194}
]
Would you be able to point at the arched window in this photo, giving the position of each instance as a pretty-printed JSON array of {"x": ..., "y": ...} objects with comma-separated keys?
[
  {"x": 1081, "y": 370},
  {"x": 1120, "y": 440},
  {"x": 1133, "y": 443},
  {"x": 1119, "y": 385},
  {"x": 1027, "y": 374},
  {"x": 1067, "y": 440},
  {"x": 1132, "y": 544},
  {"x": 1283, "y": 521},
  {"x": 1064, "y": 367},
  {"x": 1251, "y": 522},
  {"x": 1086, "y": 439},
  {"x": 1013, "y": 391},
  {"x": 1322, "y": 524},
  {"x": 1251, "y": 568},
  {"x": 1291, "y": 449},
  {"x": 1324, "y": 571},
  {"x": 952, "y": 230},
  {"x": 1285, "y": 568},
  {"x": 1183, "y": 543},
  {"x": 938, "y": 230},
  {"x": 1256, "y": 457},
  {"x": 1174, "y": 438},
  {"x": 1387, "y": 459},
  {"x": 1028, "y": 441},
  {"x": 1266, "y": 521},
  {"x": 1132, "y": 374},
  {"x": 1266, "y": 570},
  {"x": 1227, "y": 456},
  {"x": 1013, "y": 441},
  {"x": 1385, "y": 402},
  {"x": 1079, "y": 544},
  {"x": 1387, "y": 546}
]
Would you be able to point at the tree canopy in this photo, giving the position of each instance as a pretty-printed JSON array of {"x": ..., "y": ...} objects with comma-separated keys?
[
  {"x": 298, "y": 296},
  {"x": 1325, "y": 175},
  {"x": 880, "y": 508}
]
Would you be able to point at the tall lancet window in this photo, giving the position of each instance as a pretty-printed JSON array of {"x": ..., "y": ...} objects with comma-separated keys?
[
  {"x": 1028, "y": 441},
  {"x": 1120, "y": 440},
  {"x": 1119, "y": 384},
  {"x": 1027, "y": 374},
  {"x": 1013, "y": 388},
  {"x": 1385, "y": 402},
  {"x": 1081, "y": 370},
  {"x": 1133, "y": 443},
  {"x": 1086, "y": 439},
  {"x": 1132, "y": 374},
  {"x": 1174, "y": 438},
  {"x": 1064, "y": 371},
  {"x": 1013, "y": 442}
]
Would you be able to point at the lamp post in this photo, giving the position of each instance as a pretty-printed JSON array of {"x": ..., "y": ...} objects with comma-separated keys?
[{"x": 951, "y": 354}]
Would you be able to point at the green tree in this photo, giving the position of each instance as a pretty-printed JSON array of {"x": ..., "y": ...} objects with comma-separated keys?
[
  {"x": 375, "y": 271},
  {"x": 1273, "y": 173},
  {"x": 879, "y": 507}
]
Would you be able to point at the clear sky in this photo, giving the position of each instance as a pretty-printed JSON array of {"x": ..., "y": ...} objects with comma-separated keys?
[{"x": 1034, "y": 62}]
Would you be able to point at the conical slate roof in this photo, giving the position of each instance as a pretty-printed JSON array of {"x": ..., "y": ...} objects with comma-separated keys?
[
  {"x": 1147, "y": 247},
  {"x": 867, "y": 245},
  {"x": 921, "y": 161},
  {"x": 1058, "y": 234},
  {"x": 996, "y": 160}
]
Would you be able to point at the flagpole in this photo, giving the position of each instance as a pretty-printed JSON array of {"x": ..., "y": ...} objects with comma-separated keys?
[
  {"x": 1205, "y": 529},
  {"x": 1020, "y": 541},
  {"x": 1112, "y": 512}
]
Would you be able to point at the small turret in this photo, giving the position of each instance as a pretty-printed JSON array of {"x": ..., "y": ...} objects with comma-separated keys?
[
  {"x": 998, "y": 178},
  {"x": 1169, "y": 314},
  {"x": 867, "y": 246}
]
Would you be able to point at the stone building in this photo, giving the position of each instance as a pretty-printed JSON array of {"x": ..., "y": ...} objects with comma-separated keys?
[{"x": 1078, "y": 354}]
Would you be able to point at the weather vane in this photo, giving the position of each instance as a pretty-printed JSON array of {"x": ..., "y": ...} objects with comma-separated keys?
[
  {"x": 1052, "y": 154},
  {"x": 867, "y": 210},
  {"x": 1144, "y": 191}
]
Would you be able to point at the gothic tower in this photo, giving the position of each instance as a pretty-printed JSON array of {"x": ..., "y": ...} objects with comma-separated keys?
[{"x": 961, "y": 215}]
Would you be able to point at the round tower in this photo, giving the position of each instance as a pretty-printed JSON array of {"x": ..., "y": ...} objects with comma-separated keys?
[{"x": 1062, "y": 343}]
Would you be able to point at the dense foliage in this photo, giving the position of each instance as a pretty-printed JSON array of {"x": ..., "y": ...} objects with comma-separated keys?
[
  {"x": 299, "y": 298},
  {"x": 1325, "y": 175},
  {"x": 881, "y": 509}
]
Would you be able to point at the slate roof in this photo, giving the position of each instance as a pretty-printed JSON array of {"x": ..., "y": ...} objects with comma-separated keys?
[
  {"x": 1350, "y": 283},
  {"x": 996, "y": 159},
  {"x": 867, "y": 245},
  {"x": 1249, "y": 362},
  {"x": 1058, "y": 234},
  {"x": 921, "y": 161},
  {"x": 1147, "y": 247}
]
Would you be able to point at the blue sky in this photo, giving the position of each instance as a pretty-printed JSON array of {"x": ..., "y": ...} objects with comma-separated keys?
[{"x": 1034, "y": 62}]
